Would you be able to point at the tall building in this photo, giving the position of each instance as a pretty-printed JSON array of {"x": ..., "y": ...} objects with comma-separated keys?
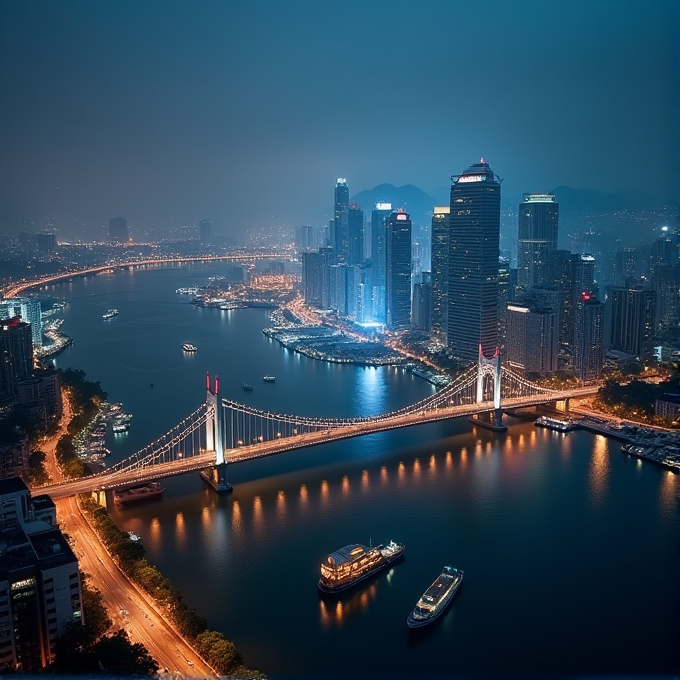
[
  {"x": 626, "y": 265},
  {"x": 440, "y": 265},
  {"x": 118, "y": 230},
  {"x": 204, "y": 234},
  {"x": 30, "y": 312},
  {"x": 16, "y": 354},
  {"x": 379, "y": 258},
  {"x": 308, "y": 238},
  {"x": 503, "y": 298},
  {"x": 355, "y": 222},
  {"x": 532, "y": 339},
  {"x": 589, "y": 338},
  {"x": 537, "y": 236},
  {"x": 421, "y": 310},
  {"x": 40, "y": 591},
  {"x": 632, "y": 321},
  {"x": 398, "y": 270},
  {"x": 340, "y": 232},
  {"x": 474, "y": 236}
]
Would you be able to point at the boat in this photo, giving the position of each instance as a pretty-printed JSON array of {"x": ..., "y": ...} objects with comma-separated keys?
[
  {"x": 355, "y": 562},
  {"x": 137, "y": 494},
  {"x": 121, "y": 427},
  {"x": 188, "y": 347},
  {"x": 110, "y": 314},
  {"x": 269, "y": 378},
  {"x": 436, "y": 598},
  {"x": 247, "y": 387},
  {"x": 558, "y": 424}
]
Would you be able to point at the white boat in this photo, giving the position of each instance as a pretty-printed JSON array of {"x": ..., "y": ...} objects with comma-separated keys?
[
  {"x": 436, "y": 598},
  {"x": 110, "y": 314},
  {"x": 188, "y": 347}
]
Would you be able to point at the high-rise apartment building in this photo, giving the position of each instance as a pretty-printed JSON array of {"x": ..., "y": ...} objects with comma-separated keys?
[
  {"x": 474, "y": 236},
  {"x": 632, "y": 321},
  {"x": 355, "y": 222},
  {"x": 398, "y": 270},
  {"x": 589, "y": 338},
  {"x": 30, "y": 312},
  {"x": 340, "y": 224},
  {"x": 308, "y": 238},
  {"x": 440, "y": 267},
  {"x": 118, "y": 230},
  {"x": 40, "y": 592},
  {"x": 16, "y": 352},
  {"x": 537, "y": 236}
]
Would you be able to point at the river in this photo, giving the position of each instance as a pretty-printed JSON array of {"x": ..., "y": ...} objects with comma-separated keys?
[{"x": 569, "y": 547}]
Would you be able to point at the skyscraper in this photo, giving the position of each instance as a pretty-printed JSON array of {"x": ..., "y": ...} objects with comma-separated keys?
[
  {"x": 537, "y": 236},
  {"x": 355, "y": 230},
  {"x": 378, "y": 258},
  {"x": 589, "y": 338},
  {"x": 340, "y": 235},
  {"x": 118, "y": 230},
  {"x": 532, "y": 338},
  {"x": 440, "y": 265},
  {"x": 632, "y": 324},
  {"x": 398, "y": 270},
  {"x": 474, "y": 236}
]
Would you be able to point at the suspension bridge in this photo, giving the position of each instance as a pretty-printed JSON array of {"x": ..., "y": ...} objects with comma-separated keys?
[{"x": 223, "y": 432}]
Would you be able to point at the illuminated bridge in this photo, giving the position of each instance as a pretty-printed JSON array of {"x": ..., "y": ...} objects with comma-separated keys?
[{"x": 223, "y": 432}]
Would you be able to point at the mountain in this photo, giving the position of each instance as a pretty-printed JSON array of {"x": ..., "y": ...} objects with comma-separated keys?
[
  {"x": 412, "y": 199},
  {"x": 587, "y": 200}
]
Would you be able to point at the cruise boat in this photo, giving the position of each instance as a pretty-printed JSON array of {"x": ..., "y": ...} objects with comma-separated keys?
[
  {"x": 137, "y": 494},
  {"x": 110, "y": 314},
  {"x": 559, "y": 424},
  {"x": 269, "y": 378},
  {"x": 188, "y": 347},
  {"x": 436, "y": 598},
  {"x": 355, "y": 562}
]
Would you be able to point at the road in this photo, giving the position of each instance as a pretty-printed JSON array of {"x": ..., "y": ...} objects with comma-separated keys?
[{"x": 128, "y": 607}]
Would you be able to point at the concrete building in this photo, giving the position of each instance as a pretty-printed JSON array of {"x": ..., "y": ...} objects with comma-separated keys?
[
  {"x": 589, "y": 338},
  {"x": 632, "y": 321},
  {"x": 340, "y": 222},
  {"x": 355, "y": 229},
  {"x": 440, "y": 270},
  {"x": 532, "y": 339},
  {"x": 40, "y": 590},
  {"x": 379, "y": 258},
  {"x": 538, "y": 217},
  {"x": 398, "y": 270}
]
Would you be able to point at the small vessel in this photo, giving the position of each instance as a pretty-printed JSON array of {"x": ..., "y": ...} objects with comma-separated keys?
[
  {"x": 188, "y": 347},
  {"x": 247, "y": 387},
  {"x": 269, "y": 378},
  {"x": 436, "y": 598},
  {"x": 136, "y": 494},
  {"x": 355, "y": 562},
  {"x": 110, "y": 314},
  {"x": 121, "y": 427},
  {"x": 558, "y": 424}
]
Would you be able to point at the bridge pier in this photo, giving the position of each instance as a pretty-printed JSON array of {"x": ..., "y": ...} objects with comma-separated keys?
[
  {"x": 100, "y": 498},
  {"x": 216, "y": 476}
]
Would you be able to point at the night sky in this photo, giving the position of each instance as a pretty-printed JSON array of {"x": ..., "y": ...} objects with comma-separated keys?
[{"x": 246, "y": 112}]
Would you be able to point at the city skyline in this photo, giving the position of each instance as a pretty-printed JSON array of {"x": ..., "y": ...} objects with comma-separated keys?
[{"x": 179, "y": 124}]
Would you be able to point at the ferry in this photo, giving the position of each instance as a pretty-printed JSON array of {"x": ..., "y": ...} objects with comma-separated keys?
[
  {"x": 122, "y": 426},
  {"x": 355, "y": 562},
  {"x": 188, "y": 347},
  {"x": 110, "y": 314},
  {"x": 137, "y": 494},
  {"x": 436, "y": 598},
  {"x": 269, "y": 378},
  {"x": 558, "y": 424},
  {"x": 247, "y": 387}
]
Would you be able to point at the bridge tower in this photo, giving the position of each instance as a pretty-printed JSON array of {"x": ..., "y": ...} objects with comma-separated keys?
[
  {"x": 492, "y": 368},
  {"x": 215, "y": 475}
]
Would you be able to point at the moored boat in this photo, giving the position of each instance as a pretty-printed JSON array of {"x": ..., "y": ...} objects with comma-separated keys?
[
  {"x": 355, "y": 562},
  {"x": 247, "y": 387},
  {"x": 436, "y": 598},
  {"x": 269, "y": 378},
  {"x": 137, "y": 494},
  {"x": 558, "y": 424}
]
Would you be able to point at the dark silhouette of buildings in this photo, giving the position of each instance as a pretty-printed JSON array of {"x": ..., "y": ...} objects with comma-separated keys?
[
  {"x": 340, "y": 222},
  {"x": 118, "y": 230},
  {"x": 440, "y": 268},
  {"x": 537, "y": 236}
]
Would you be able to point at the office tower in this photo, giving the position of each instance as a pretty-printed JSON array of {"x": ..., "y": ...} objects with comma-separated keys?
[
  {"x": 632, "y": 321},
  {"x": 355, "y": 222},
  {"x": 118, "y": 230},
  {"x": 204, "y": 234},
  {"x": 340, "y": 224},
  {"x": 312, "y": 278},
  {"x": 474, "y": 236},
  {"x": 379, "y": 258},
  {"x": 532, "y": 339},
  {"x": 589, "y": 338},
  {"x": 537, "y": 236},
  {"x": 338, "y": 288},
  {"x": 40, "y": 591},
  {"x": 440, "y": 264},
  {"x": 398, "y": 270},
  {"x": 503, "y": 299},
  {"x": 30, "y": 311},
  {"x": 16, "y": 350},
  {"x": 356, "y": 292}
]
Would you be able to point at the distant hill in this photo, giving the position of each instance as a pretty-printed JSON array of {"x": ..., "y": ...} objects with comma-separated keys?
[
  {"x": 412, "y": 199},
  {"x": 587, "y": 200}
]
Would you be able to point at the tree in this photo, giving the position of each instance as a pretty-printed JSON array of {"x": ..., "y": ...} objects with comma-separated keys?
[{"x": 117, "y": 655}]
